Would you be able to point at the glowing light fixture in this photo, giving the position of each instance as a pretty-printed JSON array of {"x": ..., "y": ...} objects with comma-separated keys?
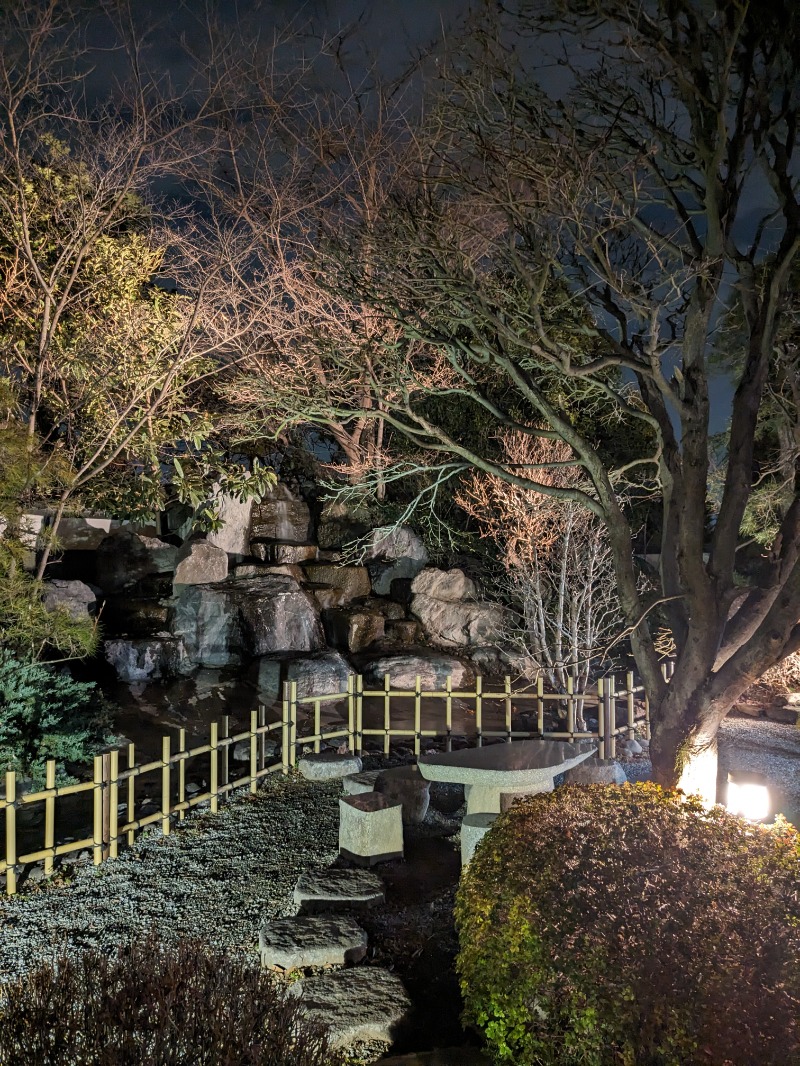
[{"x": 748, "y": 796}]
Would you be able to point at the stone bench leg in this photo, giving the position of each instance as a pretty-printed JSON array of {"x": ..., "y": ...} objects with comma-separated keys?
[
  {"x": 483, "y": 799},
  {"x": 473, "y": 829}
]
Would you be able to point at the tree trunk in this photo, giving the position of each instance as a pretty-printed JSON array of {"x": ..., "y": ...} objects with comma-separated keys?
[{"x": 683, "y": 743}]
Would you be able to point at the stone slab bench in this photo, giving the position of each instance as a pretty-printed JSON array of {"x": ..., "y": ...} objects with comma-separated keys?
[
  {"x": 324, "y": 890},
  {"x": 368, "y": 1003},
  {"x": 294, "y": 943},
  {"x": 329, "y": 765}
]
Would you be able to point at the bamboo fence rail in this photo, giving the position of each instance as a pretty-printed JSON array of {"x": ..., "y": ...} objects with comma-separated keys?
[{"x": 110, "y": 782}]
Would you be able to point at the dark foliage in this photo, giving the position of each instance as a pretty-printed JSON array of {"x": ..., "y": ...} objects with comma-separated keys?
[
  {"x": 152, "y": 1005},
  {"x": 632, "y": 926}
]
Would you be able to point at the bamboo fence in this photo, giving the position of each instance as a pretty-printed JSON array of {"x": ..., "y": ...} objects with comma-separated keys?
[{"x": 112, "y": 788}]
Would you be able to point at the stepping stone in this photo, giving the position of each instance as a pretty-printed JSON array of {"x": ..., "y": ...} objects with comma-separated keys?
[
  {"x": 322, "y": 890},
  {"x": 358, "y": 783},
  {"x": 328, "y": 765},
  {"x": 368, "y": 1003},
  {"x": 292, "y": 943},
  {"x": 370, "y": 829}
]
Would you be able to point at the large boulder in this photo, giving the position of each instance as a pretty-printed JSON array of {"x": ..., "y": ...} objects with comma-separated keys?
[
  {"x": 279, "y": 552},
  {"x": 433, "y": 670},
  {"x": 125, "y": 557},
  {"x": 200, "y": 562},
  {"x": 222, "y": 624},
  {"x": 319, "y": 675},
  {"x": 235, "y": 514},
  {"x": 149, "y": 659},
  {"x": 134, "y": 616},
  {"x": 280, "y": 516},
  {"x": 450, "y": 586},
  {"x": 353, "y": 630},
  {"x": 338, "y": 526},
  {"x": 394, "y": 552},
  {"x": 459, "y": 625},
  {"x": 347, "y": 582},
  {"x": 74, "y": 597}
]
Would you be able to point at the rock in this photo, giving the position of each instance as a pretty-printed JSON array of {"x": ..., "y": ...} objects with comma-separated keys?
[
  {"x": 245, "y": 570},
  {"x": 405, "y": 785},
  {"x": 474, "y": 828},
  {"x": 124, "y": 558},
  {"x": 234, "y": 537},
  {"x": 280, "y": 516},
  {"x": 351, "y": 582},
  {"x": 240, "y": 752},
  {"x": 451, "y": 586},
  {"x": 292, "y": 943},
  {"x": 353, "y": 630},
  {"x": 596, "y": 772},
  {"x": 147, "y": 659},
  {"x": 793, "y": 699},
  {"x": 177, "y": 520},
  {"x": 433, "y": 670},
  {"x": 74, "y": 597},
  {"x": 629, "y": 747},
  {"x": 751, "y": 710},
  {"x": 319, "y": 675},
  {"x": 356, "y": 784},
  {"x": 87, "y": 532},
  {"x": 221, "y": 624},
  {"x": 329, "y": 765},
  {"x": 370, "y": 829},
  {"x": 322, "y": 890},
  {"x": 404, "y": 631},
  {"x": 459, "y": 625},
  {"x": 363, "y": 1004},
  {"x": 446, "y": 797},
  {"x": 200, "y": 562},
  {"x": 265, "y": 675},
  {"x": 393, "y": 553},
  {"x": 788, "y": 714},
  {"x": 279, "y": 553},
  {"x": 134, "y": 616}
]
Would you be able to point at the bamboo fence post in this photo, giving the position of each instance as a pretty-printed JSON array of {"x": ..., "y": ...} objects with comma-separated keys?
[
  {"x": 630, "y": 705},
  {"x": 225, "y": 773},
  {"x": 214, "y": 767},
  {"x": 181, "y": 774},
  {"x": 165, "y": 785},
  {"x": 571, "y": 706},
  {"x": 97, "y": 821},
  {"x": 448, "y": 686},
  {"x": 507, "y": 689},
  {"x": 253, "y": 752},
  {"x": 11, "y": 832},
  {"x": 293, "y": 721},
  {"x": 417, "y": 713},
  {"x": 359, "y": 714},
  {"x": 50, "y": 816},
  {"x": 131, "y": 798},
  {"x": 106, "y": 795},
  {"x": 601, "y": 724},
  {"x": 387, "y": 715},
  {"x": 317, "y": 724},
  {"x": 351, "y": 712},
  {"x": 479, "y": 710},
  {"x": 262, "y": 736},
  {"x": 540, "y": 705},
  {"x": 611, "y": 717},
  {"x": 285, "y": 730},
  {"x": 113, "y": 804}
]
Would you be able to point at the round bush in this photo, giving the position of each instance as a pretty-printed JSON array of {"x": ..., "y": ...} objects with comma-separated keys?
[
  {"x": 153, "y": 1005},
  {"x": 631, "y": 926}
]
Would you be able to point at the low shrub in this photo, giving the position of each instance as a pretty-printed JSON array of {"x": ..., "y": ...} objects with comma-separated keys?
[
  {"x": 631, "y": 926},
  {"x": 45, "y": 714},
  {"x": 152, "y": 1005}
]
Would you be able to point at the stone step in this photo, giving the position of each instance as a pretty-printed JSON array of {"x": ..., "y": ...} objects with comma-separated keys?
[
  {"x": 328, "y": 765},
  {"x": 368, "y": 1003},
  {"x": 323, "y": 890},
  {"x": 292, "y": 943}
]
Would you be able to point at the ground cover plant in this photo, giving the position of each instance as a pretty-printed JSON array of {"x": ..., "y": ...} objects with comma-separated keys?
[
  {"x": 632, "y": 926},
  {"x": 152, "y": 1005}
]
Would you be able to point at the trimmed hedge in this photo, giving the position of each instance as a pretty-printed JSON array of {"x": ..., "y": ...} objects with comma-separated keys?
[
  {"x": 632, "y": 926},
  {"x": 153, "y": 1005}
]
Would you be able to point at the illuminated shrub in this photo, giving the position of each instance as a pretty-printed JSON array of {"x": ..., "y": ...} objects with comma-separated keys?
[
  {"x": 150, "y": 1005},
  {"x": 630, "y": 926}
]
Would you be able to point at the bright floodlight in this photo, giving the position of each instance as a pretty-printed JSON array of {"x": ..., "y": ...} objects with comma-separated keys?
[{"x": 748, "y": 797}]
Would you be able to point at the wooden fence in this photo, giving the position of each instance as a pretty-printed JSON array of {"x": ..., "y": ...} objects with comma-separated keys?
[{"x": 109, "y": 782}]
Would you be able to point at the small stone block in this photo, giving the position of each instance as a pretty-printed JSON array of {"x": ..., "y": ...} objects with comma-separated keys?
[
  {"x": 292, "y": 943},
  {"x": 370, "y": 830},
  {"x": 406, "y": 785},
  {"x": 365, "y": 1004},
  {"x": 358, "y": 783},
  {"x": 323, "y": 890},
  {"x": 474, "y": 828},
  {"x": 328, "y": 765}
]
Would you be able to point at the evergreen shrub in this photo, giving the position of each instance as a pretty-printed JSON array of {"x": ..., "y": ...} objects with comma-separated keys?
[
  {"x": 153, "y": 1005},
  {"x": 602, "y": 925}
]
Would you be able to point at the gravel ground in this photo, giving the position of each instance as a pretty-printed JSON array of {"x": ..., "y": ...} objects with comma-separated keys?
[
  {"x": 215, "y": 878},
  {"x": 771, "y": 749}
]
